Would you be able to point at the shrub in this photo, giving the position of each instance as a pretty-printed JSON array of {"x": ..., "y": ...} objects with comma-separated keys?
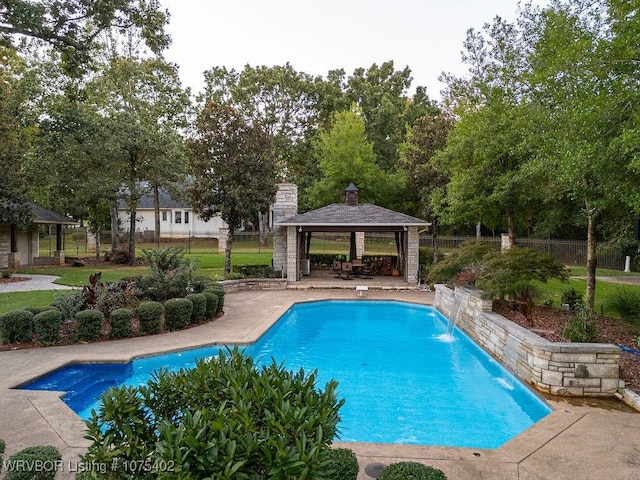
[
  {"x": 47, "y": 326},
  {"x": 16, "y": 326},
  {"x": 219, "y": 291},
  {"x": 113, "y": 295},
  {"x": 6, "y": 274},
  {"x": 516, "y": 268},
  {"x": 150, "y": 316},
  {"x": 199, "y": 302},
  {"x": 225, "y": 418},
  {"x": 468, "y": 255},
  {"x": 89, "y": 325},
  {"x": 581, "y": 328},
  {"x": 200, "y": 283},
  {"x": 572, "y": 298},
  {"x": 177, "y": 313},
  {"x": 38, "y": 463},
  {"x": 212, "y": 304},
  {"x": 2, "y": 447},
  {"x": 256, "y": 271},
  {"x": 69, "y": 303},
  {"x": 120, "y": 320},
  {"x": 411, "y": 470},
  {"x": 625, "y": 301},
  {"x": 344, "y": 464},
  {"x": 164, "y": 259}
]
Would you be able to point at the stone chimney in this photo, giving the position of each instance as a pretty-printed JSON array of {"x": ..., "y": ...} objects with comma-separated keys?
[{"x": 351, "y": 195}]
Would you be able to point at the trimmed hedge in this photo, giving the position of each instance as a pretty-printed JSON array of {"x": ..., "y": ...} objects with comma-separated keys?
[
  {"x": 212, "y": 304},
  {"x": 120, "y": 320},
  {"x": 47, "y": 325},
  {"x": 150, "y": 316},
  {"x": 199, "y": 307},
  {"x": 344, "y": 464},
  {"x": 16, "y": 326},
  {"x": 177, "y": 313},
  {"x": 412, "y": 470},
  {"x": 34, "y": 463},
  {"x": 89, "y": 325},
  {"x": 219, "y": 291}
]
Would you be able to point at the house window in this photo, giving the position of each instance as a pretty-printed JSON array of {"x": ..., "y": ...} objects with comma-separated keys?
[
  {"x": 186, "y": 217},
  {"x": 164, "y": 216},
  {"x": 178, "y": 217}
]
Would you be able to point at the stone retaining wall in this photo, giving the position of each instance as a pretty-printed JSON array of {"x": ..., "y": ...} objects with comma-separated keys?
[
  {"x": 563, "y": 369},
  {"x": 254, "y": 284}
]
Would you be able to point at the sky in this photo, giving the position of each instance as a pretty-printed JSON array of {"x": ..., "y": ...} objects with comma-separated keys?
[{"x": 318, "y": 36}]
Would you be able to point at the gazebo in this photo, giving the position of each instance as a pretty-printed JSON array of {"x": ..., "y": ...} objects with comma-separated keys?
[{"x": 292, "y": 232}]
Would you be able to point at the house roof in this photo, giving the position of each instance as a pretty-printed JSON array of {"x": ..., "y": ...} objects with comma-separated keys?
[
  {"x": 44, "y": 216},
  {"x": 365, "y": 215},
  {"x": 165, "y": 200}
]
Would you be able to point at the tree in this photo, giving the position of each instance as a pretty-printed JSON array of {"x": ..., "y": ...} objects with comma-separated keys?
[
  {"x": 426, "y": 137},
  {"x": 493, "y": 142},
  {"x": 144, "y": 106},
  {"x": 71, "y": 26},
  {"x": 345, "y": 156},
  {"x": 232, "y": 170},
  {"x": 282, "y": 101},
  {"x": 17, "y": 125}
]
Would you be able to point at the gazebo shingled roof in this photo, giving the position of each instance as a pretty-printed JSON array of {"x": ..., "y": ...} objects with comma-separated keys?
[{"x": 363, "y": 217}]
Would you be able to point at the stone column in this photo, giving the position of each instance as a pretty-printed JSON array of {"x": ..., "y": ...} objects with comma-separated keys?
[
  {"x": 223, "y": 236},
  {"x": 413, "y": 251},
  {"x": 58, "y": 257},
  {"x": 13, "y": 260},
  {"x": 293, "y": 257},
  {"x": 359, "y": 244},
  {"x": 284, "y": 207}
]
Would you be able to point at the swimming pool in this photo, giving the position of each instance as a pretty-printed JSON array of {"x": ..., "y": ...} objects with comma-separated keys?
[{"x": 401, "y": 382}]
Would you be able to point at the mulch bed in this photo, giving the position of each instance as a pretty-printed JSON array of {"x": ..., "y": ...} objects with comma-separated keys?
[{"x": 548, "y": 322}]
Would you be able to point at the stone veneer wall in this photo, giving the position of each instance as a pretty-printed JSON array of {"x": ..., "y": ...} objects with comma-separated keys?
[
  {"x": 563, "y": 369},
  {"x": 284, "y": 206}
]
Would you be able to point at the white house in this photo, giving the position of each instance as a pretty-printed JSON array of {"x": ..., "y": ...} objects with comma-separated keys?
[{"x": 177, "y": 219}]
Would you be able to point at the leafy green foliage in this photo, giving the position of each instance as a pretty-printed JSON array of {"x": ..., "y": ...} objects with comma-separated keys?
[
  {"x": 177, "y": 313},
  {"x": 344, "y": 464},
  {"x": 34, "y": 463},
  {"x": 572, "y": 298},
  {"x": 120, "y": 320},
  {"x": 16, "y": 326},
  {"x": 89, "y": 325},
  {"x": 471, "y": 256},
  {"x": 232, "y": 169},
  {"x": 411, "y": 470},
  {"x": 219, "y": 291},
  {"x": 150, "y": 316},
  {"x": 626, "y": 303},
  {"x": 506, "y": 269},
  {"x": 69, "y": 303},
  {"x": 47, "y": 325},
  {"x": 226, "y": 418},
  {"x": 199, "y": 302},
  {"x": 582, "y": 327},
  {"x": 211, "y": 305},
  {"x": 164, "y": 259}
]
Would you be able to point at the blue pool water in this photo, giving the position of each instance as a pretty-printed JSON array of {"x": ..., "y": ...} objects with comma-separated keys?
[{"x": 402, "y": 379}]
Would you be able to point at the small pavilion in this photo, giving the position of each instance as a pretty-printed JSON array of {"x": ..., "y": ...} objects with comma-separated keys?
[{"x": 292, "y": 232}]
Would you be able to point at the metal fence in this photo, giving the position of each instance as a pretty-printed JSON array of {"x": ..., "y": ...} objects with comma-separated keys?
[{"x": 569, "y": 252}]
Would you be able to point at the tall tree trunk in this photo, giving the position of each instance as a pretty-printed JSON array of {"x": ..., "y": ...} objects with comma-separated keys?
[
  {"x": 511, "y": 227},
  {"x": 227, "y": 252},
  {"x": 133, "y": 207},
  {"x": 263, "y": 223},
  {"x": 113, "y": 211},
  {"x": 591, "y": 260},
  {"x": 156, "y": 212},
  {"x": 479, "y": 230},
  {"x": 435, "y": 236}
]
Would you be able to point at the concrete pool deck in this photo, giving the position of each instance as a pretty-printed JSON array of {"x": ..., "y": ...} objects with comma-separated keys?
[{"x": 581, "y": 439}]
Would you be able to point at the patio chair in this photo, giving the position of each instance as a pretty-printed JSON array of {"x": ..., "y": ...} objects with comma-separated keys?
[
  {"x": 347, "y": 271},
  {"x": 337, "y": 267}
]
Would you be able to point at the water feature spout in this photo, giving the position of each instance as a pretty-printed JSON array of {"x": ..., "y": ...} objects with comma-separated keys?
[{"x": 458, "y": 297}]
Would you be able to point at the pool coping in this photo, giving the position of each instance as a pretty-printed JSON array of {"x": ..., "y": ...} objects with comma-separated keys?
[{"x": 37, "y": 417}]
